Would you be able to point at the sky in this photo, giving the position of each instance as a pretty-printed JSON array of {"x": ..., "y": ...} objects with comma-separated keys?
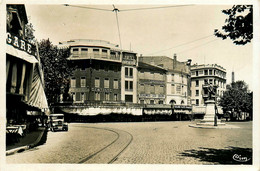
[{"x": 186, "y": 30}]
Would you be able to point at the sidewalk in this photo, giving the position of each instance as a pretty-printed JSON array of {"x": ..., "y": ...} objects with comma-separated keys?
[{"x": 30, "y": 140}]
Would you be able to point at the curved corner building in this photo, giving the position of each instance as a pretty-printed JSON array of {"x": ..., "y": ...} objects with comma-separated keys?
[{"x": 104, "y": 74}]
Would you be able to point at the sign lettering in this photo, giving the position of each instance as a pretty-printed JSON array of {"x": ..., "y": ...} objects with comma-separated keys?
[{"x": 20, "y": 44}]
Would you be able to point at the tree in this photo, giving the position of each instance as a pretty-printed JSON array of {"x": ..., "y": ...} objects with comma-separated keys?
[
  {"x": 55, "y": 68},
  {"x": 237, "y": 98},
  {"x": 239, "y": 24},
  {"x": 29, "y": 33}
]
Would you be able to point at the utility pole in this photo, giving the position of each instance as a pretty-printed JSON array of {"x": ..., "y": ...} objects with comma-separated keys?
[{"x": 116, "y": 11}]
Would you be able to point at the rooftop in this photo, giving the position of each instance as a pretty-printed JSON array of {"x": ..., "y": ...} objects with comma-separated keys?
[{"x": 196, "y": 66}]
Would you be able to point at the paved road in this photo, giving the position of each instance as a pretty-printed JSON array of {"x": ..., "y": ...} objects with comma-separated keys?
[{"x": 149, "y": 143}]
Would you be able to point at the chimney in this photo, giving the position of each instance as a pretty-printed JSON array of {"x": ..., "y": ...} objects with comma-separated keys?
[
  {"x": 189, "y": 62},
  {"x": 175, "y": 57}
]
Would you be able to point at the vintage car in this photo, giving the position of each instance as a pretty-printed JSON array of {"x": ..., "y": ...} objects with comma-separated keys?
[{"x": 56, "y": 122}]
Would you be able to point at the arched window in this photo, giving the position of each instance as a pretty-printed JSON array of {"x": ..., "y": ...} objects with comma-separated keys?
[
  {"x": 172, "y": 102},
  {"x": 182, "y": 102}
]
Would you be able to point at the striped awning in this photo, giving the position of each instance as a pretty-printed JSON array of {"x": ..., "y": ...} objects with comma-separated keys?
[{"x": 37, "y": 96}]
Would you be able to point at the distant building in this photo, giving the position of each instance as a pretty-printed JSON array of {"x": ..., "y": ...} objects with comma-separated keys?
[
  {"x": 201, "y": 76},
  {"x": 176, "y": 78},
  {"x": 104, "y": 74},
  {"x": 151, "y": 84}
]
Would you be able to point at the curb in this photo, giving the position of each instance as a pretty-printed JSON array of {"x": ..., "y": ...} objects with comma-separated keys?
[
  {"x": 26, "y": 147},
  {"x": 214, "y": 127}
]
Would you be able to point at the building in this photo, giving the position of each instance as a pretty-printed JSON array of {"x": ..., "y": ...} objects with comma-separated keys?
[
  {"x": 24, "y": 77},
  {"x": 201, "y": 76},
  {"x": 151, "y": 84},
  {"x": 176, "y": 78},
  {"x": 104, "y": 73}
]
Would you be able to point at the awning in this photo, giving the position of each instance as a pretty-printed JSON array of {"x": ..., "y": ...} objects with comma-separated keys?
[
  {"x": 20, "y": 54},
  {"x": 37, "y": 96}
]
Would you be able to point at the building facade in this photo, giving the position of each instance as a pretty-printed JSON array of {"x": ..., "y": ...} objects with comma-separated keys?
[
  {"x": 151, "y": 84},
  {"x": 176, "y": 78},
  {"x": 24, "y": 77},
  {"x": 104, "y": 73},
  {"x": 202, "y": 76}
]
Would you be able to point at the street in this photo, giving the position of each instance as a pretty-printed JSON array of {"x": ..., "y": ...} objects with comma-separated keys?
[{"x": 141, "y": 143}]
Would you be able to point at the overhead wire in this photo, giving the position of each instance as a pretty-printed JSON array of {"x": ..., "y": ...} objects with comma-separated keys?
[
  {"x": 124, "y": 10},
  {"x": 149, "y": 8},
  {"x": 205, "y": 37},
  {"x": 197, "y": 46},
  {"x": 135, "y": 9},
  {"x": 100, "y": 9}
]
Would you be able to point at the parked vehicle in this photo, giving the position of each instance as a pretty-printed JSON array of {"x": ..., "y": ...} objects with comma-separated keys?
[{"x": 56, "y": 122}]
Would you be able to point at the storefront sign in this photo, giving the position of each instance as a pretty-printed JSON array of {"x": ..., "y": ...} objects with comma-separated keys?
[
  {"x": 151, "y": 96},
  {"x": 101, "y": 90},
  {"x": 20, "y": 44}
]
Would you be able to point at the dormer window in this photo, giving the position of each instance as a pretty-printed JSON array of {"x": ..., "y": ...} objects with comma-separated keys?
[{"x": 14, "y": 23}]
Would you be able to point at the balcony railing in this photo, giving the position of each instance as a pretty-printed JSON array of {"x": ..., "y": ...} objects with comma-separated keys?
[{"x": 95, "y": 56}]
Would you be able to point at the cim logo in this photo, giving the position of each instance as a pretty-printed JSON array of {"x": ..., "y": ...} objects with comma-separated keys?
[{"x": 240, "y": 158}]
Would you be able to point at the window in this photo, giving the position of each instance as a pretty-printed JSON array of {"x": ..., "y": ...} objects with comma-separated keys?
[
  {"x": 129, "y": 85},
  {"x": 152, "y": 89},
  {"x": 82, "y": 81},
  {"x": 151, "y": 101},
  {"x": 84, "y": 51},
  {"x": 75, "y": 51},
  {"x": 197, "y": 83},
  {"x": 82, "y": 97},
  {"x": 160, "y": 102},
  {"x": 205, "y": 72},
  {"x": 197, "y": 73},
  {"x": 172, "y": 77},
  {"x": 197, "y": 92},
  {"x": 113, "y": 55},
  {"x": 128, "y": 98},
  {"x": 210, "y": 72},
  {"x": 104, "y": 53},
  {"x": 126, "y": 71},
  {"x": 205, "y": 81},
  {"x": 96, "y": 50},
  {"x": 115, "y": 84},
  {"x": 115, "y": 97},
  {"x": 106, "y": 83},
  {"x": 97, "y": 95},
  {"x": 73, "y": 96},
  {"x": 161, "y": 89},
  {"x": 73, "y": 82},
  {"x": 129, "y": 72},
  {"x": 197, "y": 102},
  {"x": 141, "y": 101},
  {"x": 173, "y": 89},
  {"x": 141, "y": 88},
  {"x": 106, "y": 96},
  {"x": 97, "y": 82},
  {"x": 178, "y": 89},
  {"x": 126, "y": 85},
  {"x": 210, "y": 81}
]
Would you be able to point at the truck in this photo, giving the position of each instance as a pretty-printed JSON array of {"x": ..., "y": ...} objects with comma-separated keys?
[{"x": 56, "y": 122}]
